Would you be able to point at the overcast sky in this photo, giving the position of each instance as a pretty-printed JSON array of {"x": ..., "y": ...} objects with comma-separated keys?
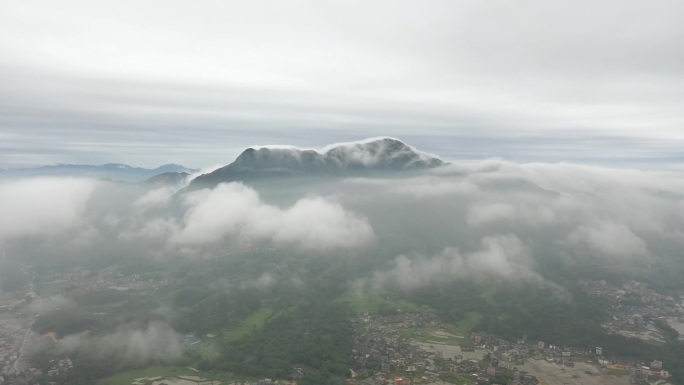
[{"x": 154, "y": 82}]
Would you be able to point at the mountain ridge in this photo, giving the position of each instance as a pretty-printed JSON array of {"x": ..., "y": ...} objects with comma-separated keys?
[
  {"x": 375, "y": 155},
  {"x": 112, "y": 171}
]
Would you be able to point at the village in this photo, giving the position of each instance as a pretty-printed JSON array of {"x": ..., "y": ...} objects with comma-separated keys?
[
  {"x": 81, "y": 280},
  {"x": 15, "y": 368},
  {"x": 385, "y": 356},
  {"x": 407, "y": 348},
  {"x": 13, "y": 329},
  {"x": 15, "y": 325},
  {"x": 636, "y": 310}
]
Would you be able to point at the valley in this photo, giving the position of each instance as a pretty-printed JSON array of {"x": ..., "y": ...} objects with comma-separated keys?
[
  {"x": 395, "y": 341},
  {"x": 367, "y": 263}
]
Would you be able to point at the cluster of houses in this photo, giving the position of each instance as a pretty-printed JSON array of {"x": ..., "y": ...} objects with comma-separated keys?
[
  {"x": 385, "y": 356},
  {"x": 60, "y": 367},
  {"x": 10, "y": 339},
  {"x": 84, "y": 281},
  {"x": 634, "y": 307},
  {"x": 639, "y": 373},
  {"x": 514, "y": 354},
  {"x": 25, "y": 374},
  {"x": 65, "y": 275},
  {"x": 380, "y": 346}
]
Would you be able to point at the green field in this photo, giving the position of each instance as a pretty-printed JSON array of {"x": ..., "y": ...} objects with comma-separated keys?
[
  {"x": 618, "y": 372},
  {"x": 375, "y": 303},
  {"x": 422, "y": 335},
  {"x": 456, "y": 379},
  {"x": 126, "y": 378},
  {"x": 254, "y": 322},
  {"x": 466, "y": 325}
]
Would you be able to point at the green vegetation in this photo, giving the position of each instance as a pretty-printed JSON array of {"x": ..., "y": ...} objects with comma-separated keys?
[
  {"x": 378, "y": 303},
  {"x": 467, "y": 324},
  {"x": 125, "y": 378},
  {"x": 64, "y": 322},
  {"x": 262, "y": 330},
  {"x": 618, "y": 372},
  {"x": 316, "y": 335},
  {"x": 251, "y": 324},
  {"x": 456, "y": 379},
  {"x": 99, "y": 297}
]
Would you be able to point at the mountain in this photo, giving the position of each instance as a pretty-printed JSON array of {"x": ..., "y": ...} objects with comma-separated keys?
[
  {"x": 114, "y": 171},
  {"x": 347, "y": 159},
  {"x": 167, "y": 179}
]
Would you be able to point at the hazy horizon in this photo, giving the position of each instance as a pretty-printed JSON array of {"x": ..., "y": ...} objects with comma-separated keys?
[{"x": 150, "y": 84}]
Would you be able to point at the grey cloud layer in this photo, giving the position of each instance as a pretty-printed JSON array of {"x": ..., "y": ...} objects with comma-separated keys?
[
  {"x": 500, "y": 219},
  {"x": 491, "y": 218},
  {"x": 462, "y": 73}
]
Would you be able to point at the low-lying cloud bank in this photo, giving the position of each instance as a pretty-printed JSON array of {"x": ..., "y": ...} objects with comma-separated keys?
[
  {"x": 235, "y": 210},
  {"x": 492, "y": 218},
  {"x": 82, "y": 213},
  {"x": 42, "y": 207},
  {"x": 572, "y": 214}
]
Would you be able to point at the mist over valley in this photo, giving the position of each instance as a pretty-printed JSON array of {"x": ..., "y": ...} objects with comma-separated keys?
[
  {"x": 223, "y": 270},
  {"x": 341, "y": 192}
]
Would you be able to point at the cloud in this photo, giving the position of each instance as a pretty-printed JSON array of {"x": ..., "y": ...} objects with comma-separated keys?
[
  {"x": 475, "y": 79},
  {"x": 427, "y": 187},
  {"x": 567, "y": 214},
  {"x": 156, "y": 343},
  {"x": 362, "y": 152},
  {"x": 234, "y": 210},
  {"x": 488, "y": 213},
  {"x": 73, "y": 216},
  {"x": 482, "y": 214},
  {"x": 264, "y": 282},
  {"x": 155, "y": 198},
  {"x": 607, "y": 239},
  {"x": 562, "y": 212},
  {"x": 153, "y": 229},
  {"x": 42, "y": 207},
  {"x": 502, "y": 256},
  {"x": 202, "y": 171}
]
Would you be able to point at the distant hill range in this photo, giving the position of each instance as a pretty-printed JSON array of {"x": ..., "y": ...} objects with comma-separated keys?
[
  {"x": 168, "y": 179},
  {"x": 368, "y": 157},
  {"x": 373, "y": 156},
  {"x": 113, "y": 171}
]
